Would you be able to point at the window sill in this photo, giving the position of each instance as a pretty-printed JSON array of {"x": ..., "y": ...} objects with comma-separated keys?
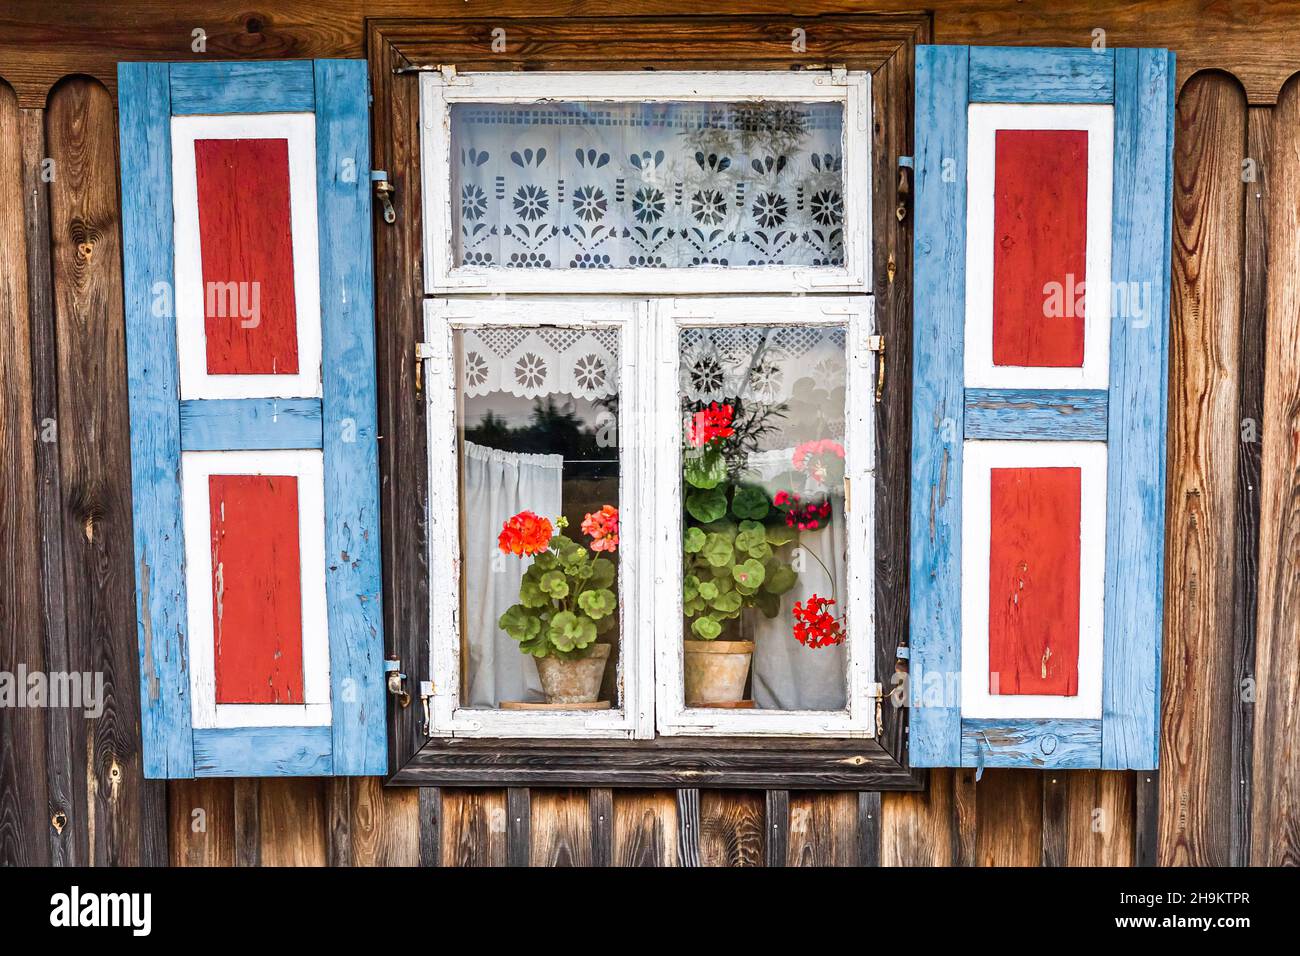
[{"x": 747, "y": 762}]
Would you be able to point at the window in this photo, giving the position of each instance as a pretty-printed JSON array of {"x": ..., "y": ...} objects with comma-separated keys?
[{"x": 649, "y": 494}]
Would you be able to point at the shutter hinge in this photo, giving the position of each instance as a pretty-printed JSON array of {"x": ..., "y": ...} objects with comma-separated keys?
[
  {"x": 384, "y": 193},
  {"x": 876, "y": 343},
  {"x": 396, "y": 679}
]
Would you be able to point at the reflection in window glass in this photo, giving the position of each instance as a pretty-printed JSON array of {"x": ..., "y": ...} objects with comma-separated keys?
[
  {"x": 539, "y": 517},
  {"x": 647, "y": 185},
  {"x": 764, "y": 536}
]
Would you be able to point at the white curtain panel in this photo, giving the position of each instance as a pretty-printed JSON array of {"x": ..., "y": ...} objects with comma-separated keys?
[
  {"x": 788, "y": 675},
  {"x": 498, "y": 485}
]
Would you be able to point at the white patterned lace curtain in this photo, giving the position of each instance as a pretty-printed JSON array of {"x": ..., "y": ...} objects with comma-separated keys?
[
  {"x": 758, "y": 364},
  {"x": 648, "y": 185},
  {"x": 535, "y": 362}
]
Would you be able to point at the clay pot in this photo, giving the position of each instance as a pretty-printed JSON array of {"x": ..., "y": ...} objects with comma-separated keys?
[
  {"x": 716, "y": 671},
  {"x": 575, "y": 681}
]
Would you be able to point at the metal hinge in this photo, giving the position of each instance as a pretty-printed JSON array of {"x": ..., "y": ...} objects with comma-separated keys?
[
  {"x": 384, "y": 193},
  {"x": 877, "y": 691},
  {"x": 426, "y": 701},
  {"x": 876, "y": 343},
  {"x": 396, "y": 681}
]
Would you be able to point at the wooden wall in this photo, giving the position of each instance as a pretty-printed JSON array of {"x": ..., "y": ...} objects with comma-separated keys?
[{"x": 71, "y": 789}]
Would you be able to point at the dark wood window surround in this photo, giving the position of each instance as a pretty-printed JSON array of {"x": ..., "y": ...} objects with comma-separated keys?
[{"x": 397, "y": 50}]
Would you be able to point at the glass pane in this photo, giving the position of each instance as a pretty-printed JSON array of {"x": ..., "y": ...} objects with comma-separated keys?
[
  {"x": 539, "y": 486},
  {"x": 648, "y": 185},
  {"x": 764, "y": 536}
]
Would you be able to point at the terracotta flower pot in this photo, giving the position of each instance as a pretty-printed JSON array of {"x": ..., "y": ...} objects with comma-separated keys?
[
  {"x": 575, "y": 681},
  {"x": 716, "y": 671}
]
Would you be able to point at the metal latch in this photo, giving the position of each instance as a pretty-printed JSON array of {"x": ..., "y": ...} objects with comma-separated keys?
[
  {"x": 426, "y": 701},
  {"x": 384, "y": 193},
  {"x": 396, "y": 681},
  {"x": 423, "y": 350},
  {"x": 876, "y": 343},
  {"x": 877, "y": 691}
]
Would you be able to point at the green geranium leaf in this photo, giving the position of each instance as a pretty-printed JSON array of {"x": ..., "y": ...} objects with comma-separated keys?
[
  {"x": 520, "y": 623},
  {"x": 602, "y": 573},
  {"x": 693, "y": 540},
  {"x": 690, "y": 586},
  {"x": 706, "y": 628},
  {"x": 718, "y": 550},
  {"x": 555, "y": 584},
  {"x": 572, "y": 555},
  {"x": 750, "y": 501},
  {"x": 543, "y": 561},
  {"x": 728, "y": 603},
  {"x": 531, "y": 594},
  {"x": 598, "y": 603},
  {"x": 706, "y": 506},
  {"x": 708, "y": 590},
  {"x": 779, "y": 534},
  {"x": 780, "y": 579},
  {"x": 705, "y": 471},
  {"x": 769, "y": 604},
  {"x": 569, "y": 632},
  {"x": 748, "y": 575}
]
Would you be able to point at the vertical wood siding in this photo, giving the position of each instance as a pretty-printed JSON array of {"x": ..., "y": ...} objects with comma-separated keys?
[{"x": 71, "y": 786}]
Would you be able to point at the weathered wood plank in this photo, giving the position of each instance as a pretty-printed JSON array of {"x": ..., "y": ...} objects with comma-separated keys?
[
  {"x": 1275, "y": 814},
  {"x": 601, "y": 810},
  {"x": 688, "y": 826},
  {"x": 869, "y": 828},
  {"x": 519, "y": 821},
  {"x": 916, "y": 829},
  {"x": 776, "y": 827},
  {"x": 262, "y": 751},
  {"x": 1029, "y": 75},
  {"x": 1042, "y": 414},
  {"x": 218, "y": 424},
  {"x": 965, "y": 817},
  {"x": 430, "y": 808},
  {"x": 403, "y": 459},
  {"x": 561, "y": 828},
  {"x": 1057, "y": 744},
  {"x": 473, "y": 827},
  {"x": 1010, "y": 821},
  {"x": 938, "y": 404},
  {"x": 823, "y": 829},
  {"x": 1250, "y": 392},
  {"x": 1202, "y": 493},
  {"x": 1135, "y": 451},
  {"x": 201, "y": 822},
  {"x": 246, "y": 794},
  {"x": 731, "y": 828},
  {"x": 1146, "y": 818},
  {"x": 281, "y": 87},
  {"x": 68, "y": 842},
  {"x": 126, "y": 816},
  {"x": 645, "y": 828},
  {"x": 1098, "y": 818},
  {"x": 384, "y": 823},
  {"x": 293, "y": 822},
  {"x": 24, "y": 827}
]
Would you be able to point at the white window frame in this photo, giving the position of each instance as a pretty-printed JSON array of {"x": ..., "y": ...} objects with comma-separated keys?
[
  {"x": 447, "y": 718},
  {"x": 440, "y": 90},
  {"x": 858, "y": 719}
]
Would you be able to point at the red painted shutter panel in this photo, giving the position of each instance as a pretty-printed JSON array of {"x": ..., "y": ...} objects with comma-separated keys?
[
  {"x": 1034, "y": 581},
  {"x": 257, "y": 589},
  {"x": 1040, "y": 223},
  {"x": 246, "y": 247}
]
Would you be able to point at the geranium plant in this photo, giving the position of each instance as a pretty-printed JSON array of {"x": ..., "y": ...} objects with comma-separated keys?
[
  {"x": 737, "y": 541},
  {"x": 566, "y": 597}
]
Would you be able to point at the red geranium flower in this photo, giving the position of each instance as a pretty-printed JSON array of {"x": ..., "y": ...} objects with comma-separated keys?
[
  {"x": 602, "y": 525},
  {"x": 525, "y": 534},
  {"x": 806, "y": 516},
  {"x": 710, "y": 424},
  {"x": 814, "y": 625},
  {"x": 811, "y": 457}
]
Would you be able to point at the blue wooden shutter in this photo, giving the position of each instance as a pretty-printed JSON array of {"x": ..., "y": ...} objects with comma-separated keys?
[
  {"x": 327, "y": 421},
  {"x": 957, "y": 419}
]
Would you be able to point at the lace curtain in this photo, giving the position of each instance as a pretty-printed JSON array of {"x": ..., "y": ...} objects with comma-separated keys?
[
  {"x": 648, "y": 185},
  {"x": 759, "y": 364},
  {"x": 533, "y": 363}
]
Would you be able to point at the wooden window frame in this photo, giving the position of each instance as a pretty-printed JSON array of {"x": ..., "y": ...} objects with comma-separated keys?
[{"x": 397, "y": 49}]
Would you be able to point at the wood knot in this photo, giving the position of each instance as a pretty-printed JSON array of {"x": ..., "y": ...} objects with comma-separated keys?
[{"x": 59, "y": 821}]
